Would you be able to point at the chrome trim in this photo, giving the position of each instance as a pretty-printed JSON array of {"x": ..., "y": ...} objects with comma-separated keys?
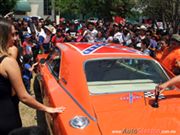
[
  {"x": 162, "y": 68},
  {"x": 80, "y": 106},
  {"x": 79, "y": 122}
]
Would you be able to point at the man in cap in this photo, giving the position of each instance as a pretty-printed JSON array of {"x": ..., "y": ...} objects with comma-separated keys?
[
  {"x": 45, "y": 39},
  {"x": 26, "y": 42}
]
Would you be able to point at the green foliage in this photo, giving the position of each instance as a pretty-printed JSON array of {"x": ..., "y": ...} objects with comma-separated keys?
[
  {"x": 95, "y": 8},
  {"x": 7, "y": 6},
  {"x": 166, "y": 11},
  {"x": 67, "y": 6}
]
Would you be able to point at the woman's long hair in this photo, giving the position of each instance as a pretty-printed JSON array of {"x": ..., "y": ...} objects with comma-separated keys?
[{"x": 5, "y": 35}]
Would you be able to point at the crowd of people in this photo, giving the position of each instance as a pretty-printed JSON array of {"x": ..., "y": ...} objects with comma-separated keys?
[
  {"x": 40, "y": 36},
  {"x": 21, "y": 40}
]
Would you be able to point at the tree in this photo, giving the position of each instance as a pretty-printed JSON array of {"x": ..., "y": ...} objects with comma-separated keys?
[
  {"x": 95, "y": 8},
  {"x": 7, "y": 6},
  {"x": 167, "y": 11},
  {"x": 67, "y": 7}
]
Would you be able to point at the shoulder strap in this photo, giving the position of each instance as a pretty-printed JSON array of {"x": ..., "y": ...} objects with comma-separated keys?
[{"x": 2, "y": 58}]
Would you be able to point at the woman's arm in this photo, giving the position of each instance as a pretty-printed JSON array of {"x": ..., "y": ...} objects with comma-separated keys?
[
  {"x": 12, "y": 71},
  {"x": 171, "y": 82}
]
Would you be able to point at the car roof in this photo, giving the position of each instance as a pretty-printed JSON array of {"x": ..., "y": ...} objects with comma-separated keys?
[{"x": 89, "y": 50}]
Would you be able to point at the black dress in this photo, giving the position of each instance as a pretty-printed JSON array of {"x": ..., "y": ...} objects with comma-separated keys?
[{"x": 9, "y": 111}]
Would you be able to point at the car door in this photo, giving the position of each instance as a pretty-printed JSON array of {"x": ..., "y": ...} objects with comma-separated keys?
[{"x": 50, "y": 77}]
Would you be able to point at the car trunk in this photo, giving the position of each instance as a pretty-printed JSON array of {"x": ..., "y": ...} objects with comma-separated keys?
[{"x": 132, "y": 113}]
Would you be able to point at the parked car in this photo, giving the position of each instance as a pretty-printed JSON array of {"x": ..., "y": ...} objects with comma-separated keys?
[{"x": 106, "y": 89}]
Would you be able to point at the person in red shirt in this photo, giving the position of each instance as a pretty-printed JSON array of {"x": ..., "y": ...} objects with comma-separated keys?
[
  {"x": 26, "y": 42},
  {"x": 58, "y": 38}
]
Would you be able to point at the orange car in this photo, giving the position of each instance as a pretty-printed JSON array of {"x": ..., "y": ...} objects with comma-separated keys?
[{"x": 106, "y": 89}]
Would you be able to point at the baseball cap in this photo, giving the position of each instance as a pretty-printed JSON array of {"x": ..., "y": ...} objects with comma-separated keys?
[
  {"x": 27, "y": 35},
  {"x": 175, "y": 37}
]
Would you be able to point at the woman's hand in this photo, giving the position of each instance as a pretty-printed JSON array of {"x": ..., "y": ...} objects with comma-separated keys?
[
  {"x": 162, "y": 87},
  {"x": 55, "y": 110}
]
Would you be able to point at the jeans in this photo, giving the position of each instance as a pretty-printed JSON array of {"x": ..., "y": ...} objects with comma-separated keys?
[{"x": 27, "y": 83}]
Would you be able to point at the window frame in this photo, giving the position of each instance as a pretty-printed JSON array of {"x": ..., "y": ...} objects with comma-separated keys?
[
  {"x": 110, "y": 58},
  {"x": 50, "y": 59}
]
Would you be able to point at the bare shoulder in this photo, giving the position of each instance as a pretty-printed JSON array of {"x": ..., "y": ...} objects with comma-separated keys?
[
  {"x": 13, "y": 51},
  {"x": 9, "y": 62},
  {"x": 13, "y": 48},
  {"x": 8, "y": 59},
  {"x": 7, "y": 65}
]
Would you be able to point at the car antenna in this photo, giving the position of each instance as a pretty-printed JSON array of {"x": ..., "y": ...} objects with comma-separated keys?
[
  {"x": 145, "y": 98},
  {"x": 155, "y": 104}
]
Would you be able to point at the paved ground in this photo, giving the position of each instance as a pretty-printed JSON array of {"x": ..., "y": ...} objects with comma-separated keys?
[{"x": 28, "y": 115}]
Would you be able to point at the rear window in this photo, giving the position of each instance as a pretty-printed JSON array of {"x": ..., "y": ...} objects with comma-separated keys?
[{"x": 123, "y": 75}]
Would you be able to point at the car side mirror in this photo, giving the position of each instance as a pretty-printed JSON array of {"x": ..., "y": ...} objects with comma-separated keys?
[{"x": 42, "y": 61}]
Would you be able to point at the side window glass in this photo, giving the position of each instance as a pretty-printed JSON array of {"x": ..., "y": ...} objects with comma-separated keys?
[{"x": 54, "y": 63}]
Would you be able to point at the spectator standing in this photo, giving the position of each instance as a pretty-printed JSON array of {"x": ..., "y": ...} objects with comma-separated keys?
[
  {"x": 145, "y": 46},
  {"x": 126, "y": 36},
  {"x": 118, "y": 35},
  {"x": 58, "y": 38},
  {"x": 72, "y": 32},
  {"x": 91, "y": 33},
  {"x": 171, "y": 55},
  {"x": 25, "y": 28},
  {"x": 40, "y": 34},
  {"x": 27, "y": 71},
  {"x": 100, "y": 37},
  {"x": 153, "y": 44},
  {"x": 45, "y": 40},
  {"x": 162, "y": 45},
  {"x": 27, "y": 43}
]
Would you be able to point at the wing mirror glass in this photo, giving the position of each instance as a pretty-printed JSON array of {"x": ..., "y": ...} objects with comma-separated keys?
[{"x": 42, "y": 61}]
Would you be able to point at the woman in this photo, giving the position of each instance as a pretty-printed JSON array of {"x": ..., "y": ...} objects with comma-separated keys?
[{"x": 10, "y": 77}]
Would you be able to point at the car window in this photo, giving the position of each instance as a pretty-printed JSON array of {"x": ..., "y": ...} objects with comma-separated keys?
[
  {"x": 120, "y": 75},
  {"x": 53, "y": 61}
]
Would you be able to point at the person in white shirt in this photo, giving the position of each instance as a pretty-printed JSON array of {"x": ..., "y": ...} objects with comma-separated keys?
[{"x": 91, "y": 33}]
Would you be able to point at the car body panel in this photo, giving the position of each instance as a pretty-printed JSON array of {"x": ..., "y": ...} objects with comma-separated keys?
[
  {"x": 137, "y": 115},
  {"x": 106, "y": 112},
  {"x": 51, "y": 97}
]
